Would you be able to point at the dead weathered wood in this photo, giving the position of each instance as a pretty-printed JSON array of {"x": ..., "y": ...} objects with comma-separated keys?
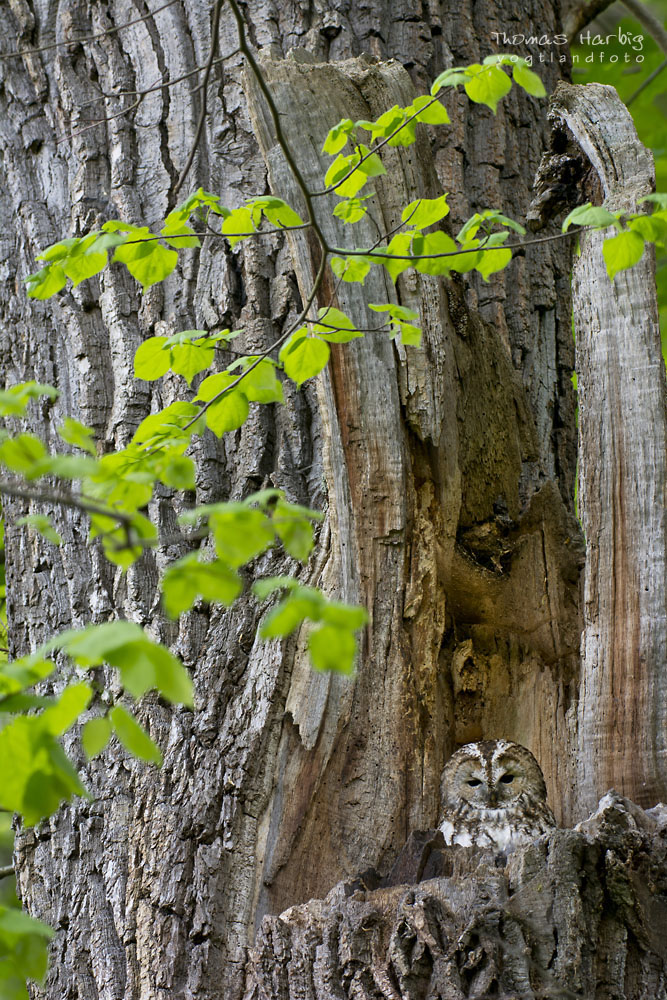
[
  {"x": 578, "y": 914},
  {"x": 622, "y": 466}
]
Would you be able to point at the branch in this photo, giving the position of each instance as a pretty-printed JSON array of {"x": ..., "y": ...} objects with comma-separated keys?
[
  {"x": 456, "y": 253},
  {"x": 65, "y": 500},
  {"x": 648, "y": 20},
  {"x": 6, "y": 871},
  {"x": 578, "y": 15},
  {"x": 215, "y": 37},
  {"x": 86, "y": 38}
]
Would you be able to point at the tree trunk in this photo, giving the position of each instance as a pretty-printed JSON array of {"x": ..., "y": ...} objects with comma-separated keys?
[{"x": 446, "y": 475}]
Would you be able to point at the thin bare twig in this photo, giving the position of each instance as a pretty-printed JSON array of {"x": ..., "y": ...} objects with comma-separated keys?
[
  {"x": 101, "y": 121},
  {"x": 158, "y": 86},
  {"x": 65, "y": 500},
  {"x": 86, "y": 38},
  {"x": 456, "y": 253},
  {"x": 648, "y": 20},
  {"x": 6, "y": 871},
  {"x": 649, "y": 79},
  {"x": 215, "y": 38}
]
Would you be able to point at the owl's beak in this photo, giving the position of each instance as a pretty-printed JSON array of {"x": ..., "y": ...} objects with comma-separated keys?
[{"x": 493, "y": 799}]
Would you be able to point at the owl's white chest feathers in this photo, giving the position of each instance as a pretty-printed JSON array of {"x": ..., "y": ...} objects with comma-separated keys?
[{"x": 493, "y": 828}]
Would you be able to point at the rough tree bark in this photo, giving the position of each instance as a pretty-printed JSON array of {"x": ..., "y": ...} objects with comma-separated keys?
[
  {"x": 577, "y": 914},
  {"x": 447, "y": 478}
]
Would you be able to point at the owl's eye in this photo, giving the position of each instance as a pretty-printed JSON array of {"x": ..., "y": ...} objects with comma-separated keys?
[
  {"x": 474, "y": 782},
  {"x": 507, "y": 778}
]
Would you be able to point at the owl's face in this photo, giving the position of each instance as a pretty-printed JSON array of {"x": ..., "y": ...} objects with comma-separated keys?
[
  {"x": 494, "y": 796},
  {"x": 492, "y": 775}
]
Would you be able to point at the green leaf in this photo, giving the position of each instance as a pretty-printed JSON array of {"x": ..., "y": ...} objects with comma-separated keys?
[
  {"x": 84, "y": 265},
  {"x": 304, "y": 357},
  {"x": 166, "y": 424},
  {"x": 338, "y": 136},
  {"x": 425, "y": 211},
  {"x": 147, "y": 262},
  {"x": 652, "y": 227},
  {"x": 77, "y": 434},
  {"x": 657, "y": 198},
  {"x": 335, "y": 327},
  {"x": 178, "y": 472},
  {"x": 370, "y": 163},
  {"x": 42, "y": 524},
  {"x": 401, "y": 316},
  {"x": 339, "y": 168},
  {"x": 45, "y": 283},
  {"x": 95, "y": 644},
  {"x": 449, "y": 78},
  {"x": 241, "y": 533},
  {"x": 61, "y": 250},
  {"x": 530, "y": 81},
  {"x": 487, "y": 85},
  {"x": 69, "y": 706},
  {"x": 230, "y": 411},
  {"x": 430, "y": 112},
  {"x": 151, "y": 360},
  {"x": 23, "y": 947},
  {"x": 400, "y": 244},
  {"x": 590, "y": 215},
  {"x": 269, "y": 584},
  {"x": 24, "y": 454},
  {"x": 622, "y": 251},
  {"x": 332, "y": 648},
  {"x": 238, "y": 225},
  {"x": 492, "y": 261},
  {"x": 278, "y": 212},
  {"x": 260, "y": 384},
  {"x": 290, "y": 613},
  {"x": 144, "y": 665},
  {"x": 351, "y": 269},
  {"x": 15, "y": 703},
  {"x": 464, "y": 262},
  {"x": 187, "y": 579},
  {"x": 349, "y": 616},
  {"x": 95, "y": 735},
  {"x": 386, "y": 123},
  {"x": 15, "y": 398},
  {"x": 41, "y": 776},
  {"x": 395, "y": 311},
  {"x": 24, "y": 672},
  {"x": 486, "y": 220},
  {"x": 70, "y": 466},
  {"x": 353, "y": 184},
  {"x": 433, "y": 243},
  {"x": 176, "y": 231},
  {"x": 294, "y": 529},
  {"x": 189, "y": 359},
  {"x": 134, "y": 737},
  {"x": 350, "y": 210},
  {"x": 411, "y": 336}
]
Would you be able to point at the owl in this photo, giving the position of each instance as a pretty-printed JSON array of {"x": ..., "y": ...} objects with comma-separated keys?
[{"x": 493, "y": 795}]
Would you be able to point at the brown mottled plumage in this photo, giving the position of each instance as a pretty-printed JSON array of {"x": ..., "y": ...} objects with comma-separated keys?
[{"x": 493, "y": 795}]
